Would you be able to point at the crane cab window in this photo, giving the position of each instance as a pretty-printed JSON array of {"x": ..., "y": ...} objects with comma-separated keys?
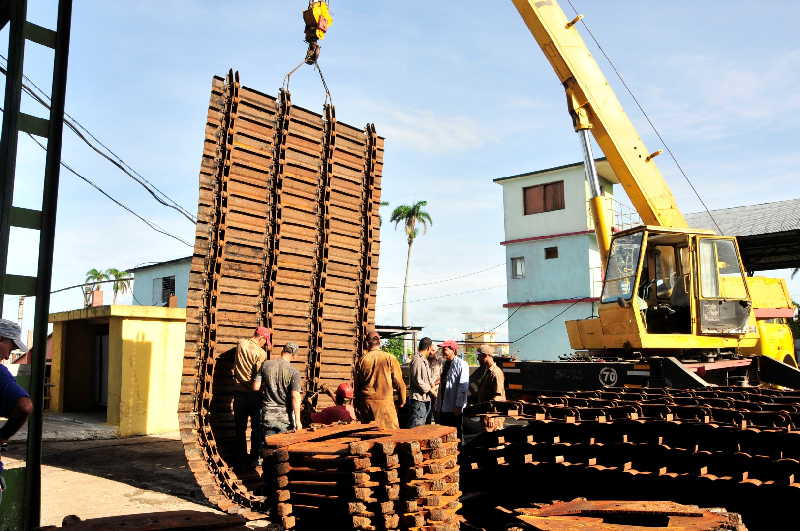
[
  {"x": 720, "y": 274},
  {"x": 665, "y": 285},
  {"x": 623, "y": 261}
]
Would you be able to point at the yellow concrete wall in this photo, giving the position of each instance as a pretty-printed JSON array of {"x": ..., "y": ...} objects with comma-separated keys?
[
  {"x": 56, "y": 369},
  {"x": 114, "y": 370},
  {"x": 151, "y": 367}
]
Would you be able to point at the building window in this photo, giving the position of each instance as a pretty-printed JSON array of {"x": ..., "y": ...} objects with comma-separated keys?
[
  {"x": 543, "y": 198},
  {"x": 163, "y": 288},
  {"x": 518, "y": 267},
  {"x": 550, "y": 253}
]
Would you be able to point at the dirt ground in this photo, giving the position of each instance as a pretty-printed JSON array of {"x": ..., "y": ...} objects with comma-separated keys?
[{"x": 93, "y": 478}]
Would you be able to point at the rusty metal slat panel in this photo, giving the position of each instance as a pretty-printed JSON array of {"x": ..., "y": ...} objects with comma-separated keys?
[{"x": 279, "y": 192}]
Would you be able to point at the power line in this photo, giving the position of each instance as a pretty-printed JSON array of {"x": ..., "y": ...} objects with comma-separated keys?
[
  {"x": 96, "y": 187},
  {"x": 562, "y": 312},
  {"x": 91, "y": 284},
  {"x": 443, "y": 296},
  {"x": 507, "y": 319},
  {"x": 647, "y": 117},
  {"x": 117, "y": 161},
  {"x": 432, "y": 282}
]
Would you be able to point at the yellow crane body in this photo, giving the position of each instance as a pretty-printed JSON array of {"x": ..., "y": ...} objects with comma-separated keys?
[{"x": 668, "y": 290}]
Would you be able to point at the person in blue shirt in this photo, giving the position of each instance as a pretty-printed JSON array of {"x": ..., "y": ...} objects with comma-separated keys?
[
  {"x": 453, "y": 387},
  {"x": 15, "y": 403}
]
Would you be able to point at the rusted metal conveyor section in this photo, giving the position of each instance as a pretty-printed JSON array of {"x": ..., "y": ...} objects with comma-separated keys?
[
  {"x": 728, "y": 447},
  {"x": 287, "y": 237}
]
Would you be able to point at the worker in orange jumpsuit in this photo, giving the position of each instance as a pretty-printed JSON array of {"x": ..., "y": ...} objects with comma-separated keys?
[{"x": 377, "y": 377}]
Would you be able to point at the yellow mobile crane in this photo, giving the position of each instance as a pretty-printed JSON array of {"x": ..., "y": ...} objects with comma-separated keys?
[{"x": 674, "y": 297}]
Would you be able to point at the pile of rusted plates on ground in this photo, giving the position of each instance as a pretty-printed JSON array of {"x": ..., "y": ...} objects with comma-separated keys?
[
  {"x": 604, "y": 515},
  {"x": 738, "y": 449},
  {"x": 357, "y": 476}
]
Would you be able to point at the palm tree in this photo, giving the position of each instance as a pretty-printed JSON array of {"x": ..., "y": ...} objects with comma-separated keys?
[
  {"x": 121, "y": 284},
  {"x": 93, "y": 278},
  {"x": 383, "y": 204},
  {"x": 410, "y": 216}
]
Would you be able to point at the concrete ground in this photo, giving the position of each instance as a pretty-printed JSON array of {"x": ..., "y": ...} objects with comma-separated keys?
[
  {"x": 72, "y": 427},
  {"x": 94, "y": 478}
]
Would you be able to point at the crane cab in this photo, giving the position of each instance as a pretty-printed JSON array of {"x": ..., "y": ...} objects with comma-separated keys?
[{"x": 670, "y": 292}]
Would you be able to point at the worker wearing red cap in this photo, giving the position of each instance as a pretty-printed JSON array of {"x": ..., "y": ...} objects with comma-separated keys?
[
  {"x": 378, "y": 376},
  {"x": 250, "y": 354},
  {"x": 343, "y": 410}
]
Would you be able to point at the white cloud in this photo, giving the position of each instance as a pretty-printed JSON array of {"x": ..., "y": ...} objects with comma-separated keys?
[
  {"x": 725, "y": 97},
  {"x": 429, "y": 132}
]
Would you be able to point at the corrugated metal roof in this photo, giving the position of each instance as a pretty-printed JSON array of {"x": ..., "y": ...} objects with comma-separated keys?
[{"x": 749, "y": 220}]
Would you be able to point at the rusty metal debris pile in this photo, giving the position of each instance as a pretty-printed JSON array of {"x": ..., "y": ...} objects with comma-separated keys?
[
  {"x": 604, "y": 515},
  {"x": 287, "y": 237},
  {"x": 730, "y": 447},
  {"x": 357, "y": 476}
]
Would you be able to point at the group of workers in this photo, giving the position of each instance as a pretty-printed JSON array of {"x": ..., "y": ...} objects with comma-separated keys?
[{"x": 269, "y": 392}]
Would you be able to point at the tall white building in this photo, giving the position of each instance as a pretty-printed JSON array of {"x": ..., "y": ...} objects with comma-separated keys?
[{"x": 552, "y": 260}]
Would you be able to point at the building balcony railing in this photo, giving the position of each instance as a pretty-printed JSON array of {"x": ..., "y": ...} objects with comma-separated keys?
[{"x": 621, "y": 216}]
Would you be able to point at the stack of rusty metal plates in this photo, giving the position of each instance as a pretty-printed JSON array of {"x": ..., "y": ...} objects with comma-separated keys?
[
  {"x": 361, "y": 477},
  {"x": 735, "y": 448},
  {"x": 605, "y": 515}
]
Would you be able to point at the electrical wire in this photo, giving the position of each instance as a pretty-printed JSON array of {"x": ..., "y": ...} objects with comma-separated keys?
[
  {"x": 115, "y": 159},
  {"x": 90, "y": 284},
  {"x": 646, "y": 116},
  {"x": 562, "y": 312},
  {"x": 432, "y": 282},
  {"x": 507, "y": 319},
  {"x": 96, "y": 187},
  {"x": 443, "y": 296}
]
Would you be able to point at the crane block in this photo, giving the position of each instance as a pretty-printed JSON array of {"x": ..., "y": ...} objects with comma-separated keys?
[{"x": 318, "y": 19}]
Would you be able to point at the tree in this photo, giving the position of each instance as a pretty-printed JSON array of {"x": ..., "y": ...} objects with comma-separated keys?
[
  {"x": 394, "y": 346},
  {"x": 93, "y": 278},
  {"x": 121, "y": 282},
  {"x": 383, "y": 204},
  {"x": 410, "y": 216}
]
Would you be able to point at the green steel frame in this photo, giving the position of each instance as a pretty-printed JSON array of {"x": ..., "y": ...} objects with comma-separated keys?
[{"x": 14, "y": 13}]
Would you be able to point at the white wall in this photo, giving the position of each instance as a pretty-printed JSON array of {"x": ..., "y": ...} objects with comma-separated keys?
[
  {"x": 143, "y": 282},
  {"x": 565, "y": 277},
  {"x": 551, "y": 340},
  {"x": 570, "y": 219}
]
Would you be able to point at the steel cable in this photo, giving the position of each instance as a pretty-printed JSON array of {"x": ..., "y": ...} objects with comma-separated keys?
[{"x": 647, "y": 117}]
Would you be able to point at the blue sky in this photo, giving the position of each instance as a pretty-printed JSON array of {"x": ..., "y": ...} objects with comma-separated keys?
[{"x": 461, "y": 92}]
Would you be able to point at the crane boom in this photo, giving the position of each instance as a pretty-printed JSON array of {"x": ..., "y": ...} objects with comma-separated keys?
[{"x": 593, "y": 105}]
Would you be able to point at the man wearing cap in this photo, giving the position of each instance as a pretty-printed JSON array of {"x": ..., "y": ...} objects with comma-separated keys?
[
  {"x": 490, "y": 384},
  {"x": 453, "y": 387},
  {"x": 279, "y": 384},
  {"x": 250, "y": 355},
  {"x": 420, "y": 384},
  {"x": 378, "y": 376},
  {"x": 343, "y": 410},
  {"x": 15, "y": 403}
]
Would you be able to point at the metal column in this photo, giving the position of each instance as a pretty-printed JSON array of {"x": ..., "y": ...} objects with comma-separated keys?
[{"x": 43, "y": 220}]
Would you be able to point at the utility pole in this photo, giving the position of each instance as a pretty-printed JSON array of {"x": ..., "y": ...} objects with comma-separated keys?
[{"x": 21, "y": 310}]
